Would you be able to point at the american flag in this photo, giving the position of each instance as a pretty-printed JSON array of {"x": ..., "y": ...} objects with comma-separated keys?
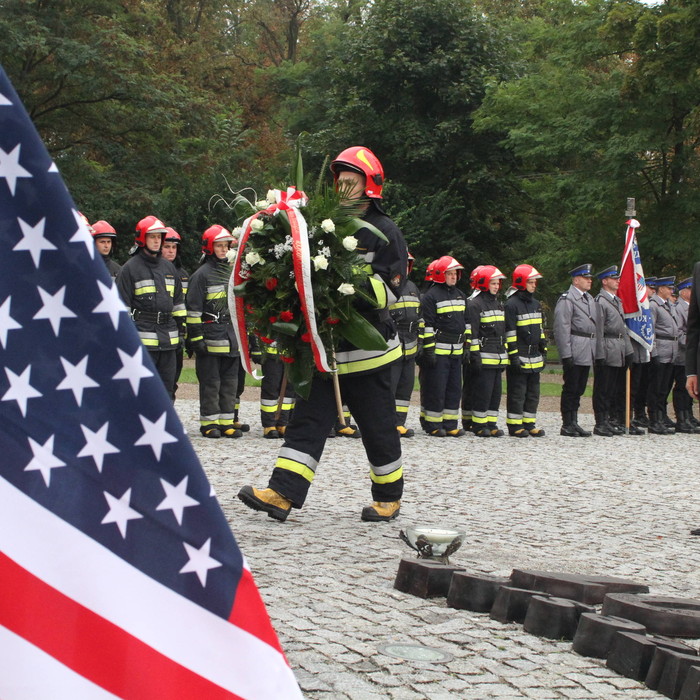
[
  {"x": 119, "y": 575},
  {"x": 633, "y": 291}
]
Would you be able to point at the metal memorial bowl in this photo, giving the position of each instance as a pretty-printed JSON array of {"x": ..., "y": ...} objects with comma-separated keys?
[{"x": 433, "y": 542}]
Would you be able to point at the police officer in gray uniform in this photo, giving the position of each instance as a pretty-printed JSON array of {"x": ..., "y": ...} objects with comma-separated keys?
[
  {"x": 663, "y": 356},
  {"x": 575, "y": 335},
  {"x": 682, "y": 403},
  {"x": 614, "y": 355}
]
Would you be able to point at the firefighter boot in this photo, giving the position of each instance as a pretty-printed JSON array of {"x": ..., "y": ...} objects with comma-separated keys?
[
  {"x": 381, "y": 511},
  {"x": 457, "y": 432},
  {"x": 535, "y": 431},
  {"x": 519, "y": 432},
  {"x": 243, "y": 427},
  {"x": 347, "y": 431},
  {"x": 274, "y": 504},
  {"x": 210, "y": 431},
  {"x": 230, "y": 431},
  {"x": 404, "y": 431},
  {"x": 271, "y": 433}
]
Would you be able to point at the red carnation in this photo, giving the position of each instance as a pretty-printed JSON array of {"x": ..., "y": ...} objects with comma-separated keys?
[
  {"x": 287, "y": 359},
  {"x": 331, "y": 321},
  {"x": 286, "y": 315},
  {"x": 271, "y": 283},
  {"x": 306, "y": 337},
  {"x": 272, "y": 319},
  {"x": 249, "y": 308}
]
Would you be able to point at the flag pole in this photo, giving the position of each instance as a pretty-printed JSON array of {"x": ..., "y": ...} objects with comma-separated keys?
[
  {"x": 630, "y": 211},
  {"x": 283, "y": 391},
  {"x": 336, "y": 386}
]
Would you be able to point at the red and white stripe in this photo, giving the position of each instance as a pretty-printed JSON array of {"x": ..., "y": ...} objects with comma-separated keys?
[
  {"x": 80, "y": 617},
  {"x": 236, "y": 305}
]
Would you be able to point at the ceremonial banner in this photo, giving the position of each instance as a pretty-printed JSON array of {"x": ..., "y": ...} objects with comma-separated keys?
[
  {"x": 119, "y": 574},
  {"x": 633, "y": 291}
]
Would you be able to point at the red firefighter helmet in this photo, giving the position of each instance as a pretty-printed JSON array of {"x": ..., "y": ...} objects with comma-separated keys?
[
  {"x": 522, "y": 274},
  {"x": 411, "y": 260},
  {"x": 442, "y": 265},
  {"x": 103, "y": 229},
  {"x": 212, "y": 235},
  {"x": 361, "y": 160},
  {"x": 172, "y": 235},
  {"x": 485, "y": 274},
  {"x": 149, "y": 224},
  {"x": 429, "y": 271},
  {"x": 473, "y": 275}
]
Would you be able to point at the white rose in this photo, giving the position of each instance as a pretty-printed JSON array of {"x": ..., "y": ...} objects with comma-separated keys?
[
  {"x": 252, "y": 258},
  {"x": 320, "y": 262},
  {"x": 257, "y": 225},
  {"x": 271, "y": 197},
  {"x": 236, "y": 233},
  {"x": 328, "y": 226},
  {"x": 262, "y": 204},
  {"x": 231, "y": 254},
  {"x": 346, "y": 289},
  {"x": 349, "y": 242}
]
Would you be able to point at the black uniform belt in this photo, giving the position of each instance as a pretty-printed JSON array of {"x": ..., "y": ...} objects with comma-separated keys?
[
  {"x": 151, "y": 316},
  {"x": 222, "y": 317},
  {"x": 492, "y": 341},
  {"x": 406, "y": 326},
  {"x": 452, "y": 338},
  {"x": 583, "y": 335},
  {"x": 667, "y": 337},
  {"x": 616, "y": 336}
]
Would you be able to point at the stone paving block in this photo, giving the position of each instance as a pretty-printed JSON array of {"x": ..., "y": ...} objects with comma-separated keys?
[
  {"x": 510, "y": 604},
  {"x": 674, "y": 617},
  {"x": 554, "y": 618},
  {"x": 584, "y": 588},
  {"x": 423, "y": 578},
  {"x": 474, "y": 591},
  {"x": 691, "y": 687},
  {"x": 595, "y": 633}
]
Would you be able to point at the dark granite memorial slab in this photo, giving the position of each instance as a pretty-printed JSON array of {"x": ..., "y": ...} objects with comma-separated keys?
[
  {"x": 424, "y": 578},
  {"x": 511, "y": 603},
  {"x": 582, "y": 587},
  {"x": 668, "y": 671},
  {"x": 595, "y": 634},
  {"x": 631, "y": 654},
  {"x": 475, "y": 592},
  {"x": 691, "y": 687},
  {"x": 674, "y": 617},
  {"x": 554, "y": 618}
]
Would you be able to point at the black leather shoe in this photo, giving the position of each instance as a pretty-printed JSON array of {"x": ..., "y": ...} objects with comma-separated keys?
[
  {"x": 603, "y": 430},
  {"x": 581, "y": 432},
  {"x": 569, "y": 431}
]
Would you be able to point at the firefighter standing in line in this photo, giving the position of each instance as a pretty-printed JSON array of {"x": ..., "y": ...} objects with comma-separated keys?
[
  {"x": 150, "y": 287},
  {"x": 427, "y": 284},
  {"x": 527, "y": 352},
  {"x": 466, "y": 369},
  {"x": 274, "y": 426},
  {"x": 682, "y": 403},
  {"x": 444, "y": 312},
  {"x": 104, "y": 235},
  {"x": 663, "y": 356},
  {"x": 171, "y": 252},
  {"x": 406, "y": 314},
  {"x": 614, "y": 354},
  {"x": 487, "y": 356},
  {"x": 364, "y": 375},
  {"x": 211, "y": 337},
  {"x": 575, "y": 335}
]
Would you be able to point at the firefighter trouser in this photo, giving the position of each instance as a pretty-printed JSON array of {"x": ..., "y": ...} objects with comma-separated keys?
[
  {"x": 218, "y": 380},
  {"x": 372, "y": 404},
  {"x": 523, "y": 399},
  {"x": 575, "y": 380},
  {"x": 403, "y": 377},
  {"x": 660, "y": 382},
  {"x": 442, "y": 391},
  {"x": 165, "y": 362},
  {"x": 486, "y": 397},
  {"x": 608, "y": 392},
  {"x": 270, "y": 387},
  {"x": 681, "y": 397},
  {"x": 466, "y": 396}
]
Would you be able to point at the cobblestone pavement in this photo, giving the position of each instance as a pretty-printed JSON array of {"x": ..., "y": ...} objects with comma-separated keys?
[{"x": 609, "y": 506}]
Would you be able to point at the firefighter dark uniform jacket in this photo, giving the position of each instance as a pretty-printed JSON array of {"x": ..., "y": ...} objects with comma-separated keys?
[
  {"x": 150, "y": 287},
  {"x": 112, "y": 266},
  {"x": 525, "y": 330},
  {"x": 406, "y": 313},
  {"x": 444, "y": 310},
  {"x": 488, "y": 330},
  {"x": 208, "y": 317},
  {"x": 388, "y": 261}
]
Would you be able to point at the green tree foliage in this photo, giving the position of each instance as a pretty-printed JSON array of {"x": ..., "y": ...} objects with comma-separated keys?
[
  {"x": 605, "y": 108},
  {"x": 404, "y": 79}
]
